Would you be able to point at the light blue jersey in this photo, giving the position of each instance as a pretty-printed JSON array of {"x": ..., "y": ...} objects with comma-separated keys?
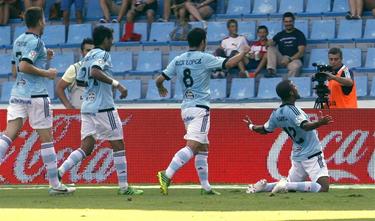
[
  {"x": 193, "y": 70},
  {"x": 30, "y": 48},
  {"x": 98, "y": 95},
  {"x": 290, "y": 118}
]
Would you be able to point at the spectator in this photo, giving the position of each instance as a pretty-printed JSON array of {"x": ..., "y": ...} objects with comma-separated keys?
[
  {"x": 356, "y": 8},
  {"x": 257, "y": 58},
  {"x": 200, "y": 10},
  {"x": 65, "y": 7},
  {"x": 231, "y": 45},
  {"x": 36, "y": 3},
  {"x": 370, "y": 5},
  {"x": 183, "y": 27},
  {"x": 6, "y": 7},
  {"x": 291, "y": 44},
  {"x": 114, "y": 7},
  {"x": 139, "y": 7},
  {"x": 168, "y": 6},
  {"x": 341, "y": 84}
]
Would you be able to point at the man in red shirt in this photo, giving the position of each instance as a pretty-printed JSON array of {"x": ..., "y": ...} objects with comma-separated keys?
[{"x": 257, "y": 58}]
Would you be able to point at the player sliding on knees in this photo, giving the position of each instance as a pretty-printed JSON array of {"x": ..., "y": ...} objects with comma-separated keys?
[
  {"x": 307, "y": 156},
  {"x": 99, "y": 117},
  {"x": 29, "y": 96},
  {"x": 193, "y": 70}
]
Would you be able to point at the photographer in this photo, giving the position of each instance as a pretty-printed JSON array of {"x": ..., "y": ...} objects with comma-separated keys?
[{"x": 340, "y": 82}]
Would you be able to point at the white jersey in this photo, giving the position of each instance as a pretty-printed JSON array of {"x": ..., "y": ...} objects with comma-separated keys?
[
  {"x": 230, "y": 44},
  {"x": 290, "y": 118}
]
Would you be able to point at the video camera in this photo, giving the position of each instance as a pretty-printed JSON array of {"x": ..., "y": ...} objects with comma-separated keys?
[{"x": 321, "y": 88}]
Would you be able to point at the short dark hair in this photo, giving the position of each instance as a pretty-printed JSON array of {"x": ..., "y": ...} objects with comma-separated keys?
[
  {"x": 232, "y": 21},
  {"x": 288, "y": 15},
  {"x": 196, "y": 36},
  {"x": 86, "y": 41},
  {"x": 262, "y": 27},
  {"x": 335, "y": 51},
  {"x": 283, "y": 89},
  {"x": 32, "y": 16},
  {"x": 100, "y": 33}
]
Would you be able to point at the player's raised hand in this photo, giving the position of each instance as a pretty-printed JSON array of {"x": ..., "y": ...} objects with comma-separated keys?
[
  {"x": 247, "y": 120},
  {"x": 50, "y": 54},
  {"x": 123, "y": 91},
  {"x": 51, "y": 73},
  {"x": 163, "y": 92},
  {"x": 326, "y": 120}
]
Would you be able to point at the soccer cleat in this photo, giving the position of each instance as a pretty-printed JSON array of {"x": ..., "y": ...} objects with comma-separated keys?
[
  {"x": 129, "y": 191},
  {"x": 257, "y": 187},
  {"x": 280, "y": 187},
  {"x": 164, "y": 182},
  {"x": 210, "y": 192},
  {"x": 61, "y": 190}
]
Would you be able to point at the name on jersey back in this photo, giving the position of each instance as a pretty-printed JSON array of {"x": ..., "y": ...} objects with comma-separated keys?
[{"x": 189, "y": 62}]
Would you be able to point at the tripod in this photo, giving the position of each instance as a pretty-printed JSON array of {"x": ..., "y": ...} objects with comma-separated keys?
[{"x": 321, "y": 103}]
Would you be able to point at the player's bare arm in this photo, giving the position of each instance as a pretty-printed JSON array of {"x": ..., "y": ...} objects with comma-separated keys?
[
  {"x": 60, "y": 87},
  {"x": 28, "y": 68},
  {"x": 256, "y": 128},
  {"x": 307, "y": 126},
  {"x": 101, "y": 76},
  {"x": 163, "y": 92}
]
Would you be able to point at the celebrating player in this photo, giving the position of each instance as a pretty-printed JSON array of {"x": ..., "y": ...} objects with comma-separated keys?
[
  {"x": 29, "y": 96},
  {"x": 307, "y": 156},
  {"x": 193, "y": 69},
  {"x": 99, "y": 117}
]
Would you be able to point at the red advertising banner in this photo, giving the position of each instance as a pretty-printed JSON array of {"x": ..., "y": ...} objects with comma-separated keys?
[{"x": 236, "y": 155}]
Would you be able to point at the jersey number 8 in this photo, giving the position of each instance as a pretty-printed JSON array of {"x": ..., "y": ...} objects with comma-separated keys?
[{"x": 188, "y": 79}]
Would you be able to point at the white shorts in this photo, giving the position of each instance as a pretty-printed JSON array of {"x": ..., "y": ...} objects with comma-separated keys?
[
  {"x": 102, "y": 126},
  {"x": 37, "y": 110},
  {"x": 313, "y": 168},
  {"x": 197, "y": 124}
]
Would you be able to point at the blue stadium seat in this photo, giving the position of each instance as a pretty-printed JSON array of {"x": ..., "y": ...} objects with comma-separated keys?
[
  {"x": 323, "y": 29},
  {"x": 6, "y": 88},
  {"x": 218, "y": 88},
  {"x": 319, "y": 56},
  {"x": 238, "y": 7},
  {"x": 177, "y": 91},
  {"x": 303, "y": 84},
  {"x": 196, "y": 24},
  {"x": 370, "y": 58},
  {"x": 361, "y": 85},
  {"x": 273, "y": 27},
  {"x": 247, "y": 29},
  {"x": 160, "y": 31},
  {"x": 5, "y": 36},
  {"x": 18, "y": 31},
  {"x": 303, "y": 25},
  {"x": 267, "y": 87},
  {"x": 242, "y": 88},
  {"x": 295, "y": 6},
  {"x": 5, "y": 65},
  {"x": 51, "y": 89},
  {"x": 369, "y": 29},
  {"x": 62, "y": 61},
  {"x": 78, "y": 32},
  {"x": 149, "y": 61},
  {"x": 122, "y": 61},
  {"x": 340, "y": 6},
  {"x": 116, "y": 30},
  {"x": 349, "y": 29},
  {"x": 352, "y": 57},
  {"x": 140, "y": 28},
  {"x": 265, "y": 6},
  {"x": 318, "y": 6},
  {"x": 134, "y": 90},
  {"x": 216, "y": 31},
  {"x": 54, "y": 34},
  {"x": 372, "y": 92},
  {"x": 94, "y": 11},
  {"x": 173, "y": 54},
  {"x": 153, "y": 93}
]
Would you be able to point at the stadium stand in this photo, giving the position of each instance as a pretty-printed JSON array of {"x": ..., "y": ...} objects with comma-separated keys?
[
  {"x": 152, "y": 91},
  {"x": 295, "y": 6},
  {"x": 5, "y": 36},
  {"x": 267, "y": 87},
  {"x": 6, "y": 88},
  {"x": 242, "y": 88},
  {"x": 54, "y": 35},
  {"x": 265, "y": 6},
  {"x": 122, "y": 61},
  {"x": 318, "y": 6},
  {"x": 62, "y": 61},
  {"x": 134, "y": 89},
  {"x": 323, "y": 29},
  {"x": 218, "y": 88},
  {"x": 238, "y": 7}
]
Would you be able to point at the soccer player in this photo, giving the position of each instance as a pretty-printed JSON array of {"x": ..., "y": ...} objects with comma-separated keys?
[
  {"x": 29, "y": 96},
  {"x": 99, "y": 117},
  {"x": 68, "y": 80},
  {"x": 307, "y": 156},
  {"x": 193, "y": 70}
]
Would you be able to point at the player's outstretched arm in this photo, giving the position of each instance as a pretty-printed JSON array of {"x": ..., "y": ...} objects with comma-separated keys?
[
  {"x": 307, "y": 126},
  {"x": 256, "y": 128},
  {"x": 233, "y": 61},
  {"x": 99, "y": 75},
  {"x": 28, "y": 68},
  {"x": 163, "y": 92}
]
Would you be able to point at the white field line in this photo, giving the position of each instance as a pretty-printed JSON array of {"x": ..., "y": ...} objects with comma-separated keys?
[{"x": 34, "y": 187}]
